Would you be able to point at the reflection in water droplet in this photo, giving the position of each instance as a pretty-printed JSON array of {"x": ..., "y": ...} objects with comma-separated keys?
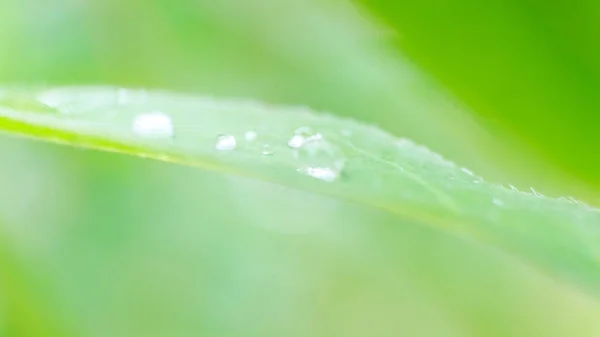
[
  {"x": 153, "y": 125},
  {"x": 250, "y": 136},
  {"x": 296, "y": 141},
  {"x": 225, "y": 143},
  {"x": 322, "y": 173},
  {"x": 267, "y": 151},
  {"x": 301, "y": 136},
  {"x": 498, "y": 202},
  {"x": 512, "y": 187}
]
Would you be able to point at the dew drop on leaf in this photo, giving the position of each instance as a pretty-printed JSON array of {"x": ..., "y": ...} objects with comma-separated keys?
[
  {"x": 225, "y": 143},
  {"x": 319, "y": 158},
  {"x": 296, "y": 141},
  {"x": 300, "y": 137},
  {"x": 322, "y": 173},
  {"x": 153, "y": 125}
]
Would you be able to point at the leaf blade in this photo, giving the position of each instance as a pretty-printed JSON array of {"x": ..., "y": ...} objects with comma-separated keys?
[{"x": 379, "y": 170}]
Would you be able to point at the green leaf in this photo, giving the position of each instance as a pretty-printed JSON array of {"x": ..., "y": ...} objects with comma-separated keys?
[
  {"x": 338, "y": 157},
  {"x": 528, "y": 67}
]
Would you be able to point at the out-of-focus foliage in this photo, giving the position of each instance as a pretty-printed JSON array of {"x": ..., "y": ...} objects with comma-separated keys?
[
  {"x": 103, "y": 245},
  {"x": 528, "y": 67}
]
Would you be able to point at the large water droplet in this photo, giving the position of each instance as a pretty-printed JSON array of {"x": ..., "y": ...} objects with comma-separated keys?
[
  {"x": 153, "y": 125},
  {"x": 316, "y": 156},
  {"x": 322, "y": 173},
  {"x": 225, "y": 143}
]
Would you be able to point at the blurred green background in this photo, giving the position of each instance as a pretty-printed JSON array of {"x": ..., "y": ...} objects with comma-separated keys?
[{"x": 97, "y": 244}]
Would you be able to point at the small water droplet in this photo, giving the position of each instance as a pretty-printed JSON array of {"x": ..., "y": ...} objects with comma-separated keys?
[
  {"x": 225, "y": 143},
  {"x": 498, "y": 202},
  {"x": 322, "y": 173},
  {"x": 250, "y": 136},
  {"x": 267, "y": 151},
  {"x": 153, "y": 125}
]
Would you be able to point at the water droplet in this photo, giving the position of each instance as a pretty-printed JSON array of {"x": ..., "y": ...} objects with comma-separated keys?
[
  {"x": 316, "y": 156},
  {"x": 322, "y": 173},
  {"x": 346, "y": 133},
  {"x": 498, "y": 202},
  {"x": 267, "y": 151},
  {"x": 296, "y": 141},
  {"x": 301, "y": 136},
  {"x": 250, "y": 136},
  {"x": 153, "y": 125},
  {"x": 225, "y": 143}
]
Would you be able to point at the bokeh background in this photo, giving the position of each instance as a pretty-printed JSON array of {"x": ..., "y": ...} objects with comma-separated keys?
[{"x": 96, "y": 244}]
